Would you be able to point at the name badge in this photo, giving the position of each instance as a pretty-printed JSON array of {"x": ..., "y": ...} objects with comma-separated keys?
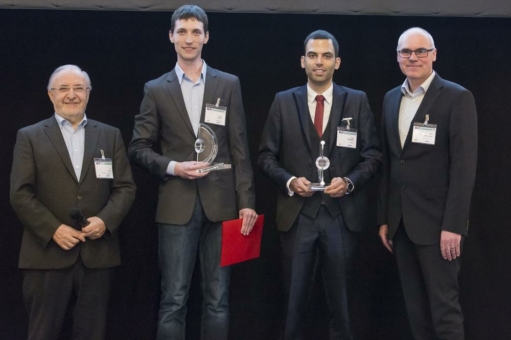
[
  {"x": 103, "y": 167},
  {"x": 346, "y": 138},
  {"x": 424, "y": 133},
  {"x": 215, "y": 114}
]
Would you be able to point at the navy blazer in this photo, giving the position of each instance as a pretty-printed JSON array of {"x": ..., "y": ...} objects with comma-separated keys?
[{"x": 286, "y": 151}]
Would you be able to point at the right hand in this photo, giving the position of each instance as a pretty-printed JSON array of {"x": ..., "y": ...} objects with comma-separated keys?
[
  {"x": 67, "y": 237},
  {"x": 188, "y": 170},
  {"x": 384, "y": 231},
  {"x": 300, "y": 186}
]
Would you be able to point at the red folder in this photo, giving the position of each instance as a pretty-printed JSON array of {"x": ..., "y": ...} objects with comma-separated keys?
[{"x": 237, "y": 247}]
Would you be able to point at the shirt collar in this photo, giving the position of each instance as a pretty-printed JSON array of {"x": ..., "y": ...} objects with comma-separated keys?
[
  {"x": 181, "y": 74},
  {"x": 405, "y": 88},
  {"x": 328, "y": 94},
  {"x": 61, "y": 120}
]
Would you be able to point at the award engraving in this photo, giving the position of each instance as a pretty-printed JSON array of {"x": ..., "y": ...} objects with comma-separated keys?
[{"x": 322, "y": 163}]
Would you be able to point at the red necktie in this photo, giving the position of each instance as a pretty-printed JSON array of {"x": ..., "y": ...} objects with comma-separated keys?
[{"x": 318, "y": 117}]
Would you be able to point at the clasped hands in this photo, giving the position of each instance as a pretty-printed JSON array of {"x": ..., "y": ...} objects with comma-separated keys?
[
  {"x": 337, "y": 187},
  {"x": 67, "y": 237}
]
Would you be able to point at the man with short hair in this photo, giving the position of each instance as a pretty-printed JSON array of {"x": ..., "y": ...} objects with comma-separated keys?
[
  {"x": 429, "y": 129},
  {"x": 192, "y": 204},
  {"x": 305, "y": 123},
  {"x": 71, "y": 187}
]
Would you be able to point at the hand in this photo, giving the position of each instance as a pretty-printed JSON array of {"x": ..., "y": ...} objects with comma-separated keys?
[
  {"x": 300, "y": 186},
  {"x": 249, "y": 217},
  {"x": 450, "y": 245},
  {"x": 67, "y": 237},
  {"x": 337, "y": 188},
  {"x": 95, "y": 229},
  {"x": 384, "y": 231},
  {"x": 188, "y": 170}
]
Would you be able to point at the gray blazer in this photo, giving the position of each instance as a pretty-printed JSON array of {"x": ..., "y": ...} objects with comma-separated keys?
[
  {"x": 164, "y": 122},
  {"x": 44, "y": 190}
]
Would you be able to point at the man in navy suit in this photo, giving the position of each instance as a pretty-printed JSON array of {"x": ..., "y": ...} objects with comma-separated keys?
[
  {"x": 323, "y": 223},
  {"x": 192, "y": 204},
  {"x": 429, "y": 129}
]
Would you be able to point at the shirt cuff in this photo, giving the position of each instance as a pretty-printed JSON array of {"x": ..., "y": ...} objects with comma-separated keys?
[
  {"x": 170, "y": 168},
  {"x": 289, "y": 191}
]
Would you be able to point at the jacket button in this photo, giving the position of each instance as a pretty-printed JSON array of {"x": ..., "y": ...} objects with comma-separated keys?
[
  {"x": 79, "y": 197},
  {"x": 402, "y": 161},
  {"x": 403, "y": 187}
]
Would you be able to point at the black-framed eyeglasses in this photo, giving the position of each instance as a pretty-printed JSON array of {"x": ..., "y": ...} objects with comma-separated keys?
[
  {"x": 76, "y": 89},
  {"x": 420, "y": 53}
]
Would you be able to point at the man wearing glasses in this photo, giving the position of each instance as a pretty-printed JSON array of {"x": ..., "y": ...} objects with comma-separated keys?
[
  {"x": 71, "y": 187},
  {"x": 429, "y": 129}
]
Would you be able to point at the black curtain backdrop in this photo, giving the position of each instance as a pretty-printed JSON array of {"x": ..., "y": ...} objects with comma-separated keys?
[{"x": 123, "y": 50}]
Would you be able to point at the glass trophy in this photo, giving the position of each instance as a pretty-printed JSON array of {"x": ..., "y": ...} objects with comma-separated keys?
[
  {"x": 206, "y": 148},
  {"x": 322, "y": 163}
]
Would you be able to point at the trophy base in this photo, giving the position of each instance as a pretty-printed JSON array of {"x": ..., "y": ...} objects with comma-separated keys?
[
  {"x": 318, "y": 186},
  {"x": 213, "y": 167}
]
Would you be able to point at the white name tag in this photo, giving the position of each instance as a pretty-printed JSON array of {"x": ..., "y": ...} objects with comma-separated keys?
[
  {"x": 104, "y": 168},
  {"x": 215, "y": 114},
  {"x": 424, "y": 133},
  {"x": 346, "y": 138}
]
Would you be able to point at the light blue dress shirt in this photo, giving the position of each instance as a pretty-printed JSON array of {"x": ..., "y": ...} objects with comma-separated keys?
[
  {"x": 75, "y": 141},
  {"x": 193, "y": 95}
]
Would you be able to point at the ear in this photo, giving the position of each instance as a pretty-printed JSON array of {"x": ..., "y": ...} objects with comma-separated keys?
[
  {"x": 434, "y": 54},
  {"x": 50, "y": 94},
  {"x": 206, "y": 37},
  {"x": 302, "y": 61},
  {"x": 171, "y": 36},
  {"x": 337, "y": 63}
]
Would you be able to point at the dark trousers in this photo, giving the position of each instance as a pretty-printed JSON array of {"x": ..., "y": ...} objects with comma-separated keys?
[
  {"x": 178, "y": 247},
  {"x": 430, "y": 288},
  {"x": 327, "y": 240},
  {"x": 48, "y": 294}
]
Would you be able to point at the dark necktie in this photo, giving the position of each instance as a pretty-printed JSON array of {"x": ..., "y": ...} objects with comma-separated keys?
[{"x": 318, "y": 117}]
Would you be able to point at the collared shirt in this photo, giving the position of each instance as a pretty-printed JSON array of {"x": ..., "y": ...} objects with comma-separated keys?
[
  {"x": 410, "y": 103},
  {"x": 193, "y": 95},
  {"x": 311, "y": 100},
  {"x": 75, "y": 141}
]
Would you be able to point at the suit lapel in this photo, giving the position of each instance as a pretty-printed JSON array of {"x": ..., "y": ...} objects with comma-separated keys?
[
  {"x": 393, "y": 117},
  {"x": 209, "y": 91},
  {"x": 336, "y": 114},
  {"x": 53, "y": 132},
  {"x": 434, "y": 90},
  {"x": 91, "y": 139},
  {"x": 177, "y": 96},
  {"x": 302, "y": 106}
]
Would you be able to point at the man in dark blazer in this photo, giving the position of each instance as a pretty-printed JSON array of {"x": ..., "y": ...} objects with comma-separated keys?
[
  {"x": 55, "y": 175},
  {"x": 191, "y": 204},
  {"x": 429, "y": 129},
  {"x": 311, "y": 222}
]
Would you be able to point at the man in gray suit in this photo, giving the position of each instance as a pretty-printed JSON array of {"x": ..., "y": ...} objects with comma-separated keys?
[
  {"x": 71, "y": 187},
  {"x": 320, "y": 225},
  {"x": 192, "y": 204},
  {"x": 429, "y": 129}
]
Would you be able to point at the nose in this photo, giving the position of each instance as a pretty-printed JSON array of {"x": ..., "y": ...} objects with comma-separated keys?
[
  {"x": 71, "y": 93},
  {"x": 319, "y": 60},
  {"x": 413, "y": 56},
  {"x": 188, "y": 39}
]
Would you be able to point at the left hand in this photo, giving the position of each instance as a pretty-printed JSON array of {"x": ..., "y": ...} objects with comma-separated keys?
[
  {"x": 249, "y": 217},
  {"x": 337, "y": 188},
  {"x": 450, "y": 245},
  {"x": 95, "y": 229}
]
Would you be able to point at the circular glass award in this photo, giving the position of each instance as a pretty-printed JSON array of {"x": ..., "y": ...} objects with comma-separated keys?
[{"x": 206, "y": 145}]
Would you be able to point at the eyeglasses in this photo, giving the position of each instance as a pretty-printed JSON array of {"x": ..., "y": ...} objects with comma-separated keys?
[
  {"x": 420, "y": 53},
  {"x": 76, "y": 89}
]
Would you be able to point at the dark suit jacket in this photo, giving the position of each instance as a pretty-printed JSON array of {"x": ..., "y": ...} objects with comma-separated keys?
[
  {"x": 163, "y": 118},
  {"x": 430, "y": 186},
  {"x": 286, "y": 151},
  {"x": 44, "y": 189}
]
